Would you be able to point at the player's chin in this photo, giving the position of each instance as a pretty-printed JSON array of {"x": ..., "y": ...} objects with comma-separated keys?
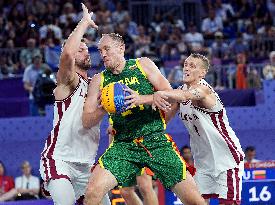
[
  {"x": 106, "y": 65},
  {"x": 87, "y": 66}
]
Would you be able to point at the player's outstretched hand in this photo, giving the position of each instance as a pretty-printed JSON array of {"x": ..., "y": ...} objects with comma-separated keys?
[
  {"x": 88, "y": 16},
  {"x": 160, "y": 100}
]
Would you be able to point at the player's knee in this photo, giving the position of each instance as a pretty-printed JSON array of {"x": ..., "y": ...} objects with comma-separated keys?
[
  {"x": 127, "y": 192},
  {"x": 92, "y": 197}
]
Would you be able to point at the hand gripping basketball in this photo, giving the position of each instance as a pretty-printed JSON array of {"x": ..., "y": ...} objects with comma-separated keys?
[{"x": 113, "y": 97}]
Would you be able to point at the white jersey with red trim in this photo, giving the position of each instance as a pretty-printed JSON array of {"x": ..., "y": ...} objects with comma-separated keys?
[
  {"x": 68, "y": 140},
  {"x": 213, "y": 143}
]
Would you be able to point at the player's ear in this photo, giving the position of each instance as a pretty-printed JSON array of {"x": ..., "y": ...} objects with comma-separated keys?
[
  {"x": 203, "y": 73},
  {"x": 122, "y": 48}
]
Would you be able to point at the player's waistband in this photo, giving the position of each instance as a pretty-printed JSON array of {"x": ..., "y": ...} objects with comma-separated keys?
[{"x": 147, "y": 137}]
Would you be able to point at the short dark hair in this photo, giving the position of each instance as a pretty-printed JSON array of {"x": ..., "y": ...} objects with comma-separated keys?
[
  {"x": 250, "y": 149},
  {"x": 115, "y": 36},
  {"x": 204, "y": 60}
]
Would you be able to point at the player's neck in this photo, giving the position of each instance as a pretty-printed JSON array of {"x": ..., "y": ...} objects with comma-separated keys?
[
  {"x": 193, "y": 83},
  {"x": 119, "y": 67},
  {"x": 83, "y": 73}
]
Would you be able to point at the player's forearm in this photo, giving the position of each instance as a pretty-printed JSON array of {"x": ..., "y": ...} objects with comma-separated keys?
[
  {"x": 146, "y": 100},
  {"x": 176, "y": 95},
  {"x": 74, "y": 40},
  {"x": 92, "y": 118}
]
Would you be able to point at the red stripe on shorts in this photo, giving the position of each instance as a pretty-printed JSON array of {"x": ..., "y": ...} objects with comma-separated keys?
[{"x": 230, "y": 187}]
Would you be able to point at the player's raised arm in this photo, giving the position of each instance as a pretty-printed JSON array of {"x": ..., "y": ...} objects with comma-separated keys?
[
  {"x": 66, "y": 74},
  {"x": 92, "y": 111}
]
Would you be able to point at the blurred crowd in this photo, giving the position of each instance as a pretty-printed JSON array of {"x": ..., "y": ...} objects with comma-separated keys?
[
  {"x": 238, "y": 37},
  {"x": 23, "y": 187}
]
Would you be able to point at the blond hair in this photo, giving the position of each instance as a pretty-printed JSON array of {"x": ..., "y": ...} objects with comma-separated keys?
[
  {"x": 204, "y": 60},
  {"x": 115, "y": 36}
]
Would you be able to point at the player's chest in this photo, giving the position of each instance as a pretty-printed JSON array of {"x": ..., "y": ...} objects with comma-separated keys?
[{"x": 187, "y": 112}]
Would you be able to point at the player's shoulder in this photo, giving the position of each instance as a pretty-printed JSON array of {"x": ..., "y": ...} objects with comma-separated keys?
[
  {"x": 202, "y": 88},
  {"x": 147, "y": 65},
  {"x": 145, "y": 60}
]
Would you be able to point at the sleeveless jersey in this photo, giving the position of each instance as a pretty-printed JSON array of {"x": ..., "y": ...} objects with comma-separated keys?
[
  {"x": 138, "y": 121},
  {"x": 68, "y": 140},
  {"x": 213, "y": 143}
]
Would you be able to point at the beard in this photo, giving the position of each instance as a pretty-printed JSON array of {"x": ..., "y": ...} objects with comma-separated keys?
[{"x": 84, "y": 64}]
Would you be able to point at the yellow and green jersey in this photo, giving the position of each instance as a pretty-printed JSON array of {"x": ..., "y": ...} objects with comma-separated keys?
[{"x": 138, "y": 121}]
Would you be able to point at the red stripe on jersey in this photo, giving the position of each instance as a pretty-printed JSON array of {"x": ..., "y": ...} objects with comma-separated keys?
[
  {"x": 230, "y": 187},
  {"x": 71, "y": 95},
  {"x": 43, "y": 157},
  {"x": 55, "y": 130},
  {"x": 237, "y": 183},
  {"x": 48, "y": 144},
  {"x": 232, "y": 150},
  {"x": 45, "y": 168},
  {"x": 59, "y": 110},
  {"x": 225, "y": 132},
  {"x": 67, "y": 103},
  {"x": 51, "y": 148}
]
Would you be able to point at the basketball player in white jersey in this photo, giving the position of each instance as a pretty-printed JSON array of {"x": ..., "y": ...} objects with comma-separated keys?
[
  {"x": 217, "y": 152},
  {"x": 70, "y": 150}
]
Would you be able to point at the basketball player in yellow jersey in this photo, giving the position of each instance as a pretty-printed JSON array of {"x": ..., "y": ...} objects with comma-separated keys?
[{"x": 140, "y": 139}]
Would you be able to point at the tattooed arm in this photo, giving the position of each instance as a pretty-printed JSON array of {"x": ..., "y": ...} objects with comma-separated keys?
[{"x": 197, "y": 93}]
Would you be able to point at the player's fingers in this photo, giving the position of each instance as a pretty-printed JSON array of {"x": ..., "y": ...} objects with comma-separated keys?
[
  {"x": 99, "y": 105},
  {"x": 167, "y": 104},
  {"x": 164, "y": 97},
  {"x": 84, "y": 8},
  {"x": 160, "y": 107},
  {"x": 128, "y": 102},
  {"x": 130, "y": 106},
  {"x": 129, "y": 90},
  {"x": 129, "y": 97},
  {"x": 95, "y": 26}
]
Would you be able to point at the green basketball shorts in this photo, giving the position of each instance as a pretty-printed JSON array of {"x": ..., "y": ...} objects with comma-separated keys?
[{"x": 126, "y": 160}]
